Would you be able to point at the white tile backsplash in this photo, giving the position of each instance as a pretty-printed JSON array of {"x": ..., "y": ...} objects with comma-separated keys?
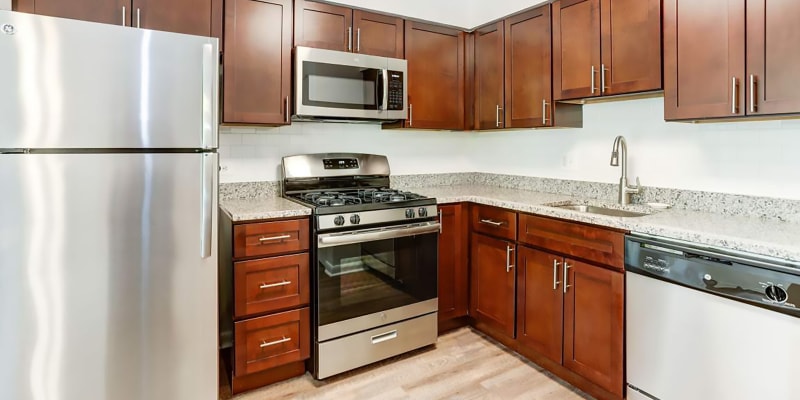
[{"x": 754, "y": 158}]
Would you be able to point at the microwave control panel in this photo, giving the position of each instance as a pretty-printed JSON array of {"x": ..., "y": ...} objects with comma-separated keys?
[{"x": 396, "y": 99}]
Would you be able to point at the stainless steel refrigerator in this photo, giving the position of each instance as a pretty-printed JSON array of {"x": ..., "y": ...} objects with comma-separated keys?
[{"x": 108, "y": 197}]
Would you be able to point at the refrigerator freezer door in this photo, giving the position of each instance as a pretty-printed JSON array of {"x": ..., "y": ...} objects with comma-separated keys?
[
  {"x": 107, "y": 290},
  {"x": 76, "y": 84}
]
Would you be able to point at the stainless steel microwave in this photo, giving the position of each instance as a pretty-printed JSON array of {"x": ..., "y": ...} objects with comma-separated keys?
[{"x": 338, "y": 85}]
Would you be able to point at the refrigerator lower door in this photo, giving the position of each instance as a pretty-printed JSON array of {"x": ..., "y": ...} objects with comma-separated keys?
[{"x": 108, "y": 276}]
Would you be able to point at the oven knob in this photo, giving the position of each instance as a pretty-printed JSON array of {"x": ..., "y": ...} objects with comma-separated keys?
[
  {"x": 776, "y": 294},
  {"x": 355, "y": 219},
  {"x": 339, "y": 220},
  {"x": 410, "y": 213},
  {"x": 423, "y": 212}
]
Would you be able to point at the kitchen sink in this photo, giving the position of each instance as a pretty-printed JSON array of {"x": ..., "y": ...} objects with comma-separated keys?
[{"x": 600, "y": 210}]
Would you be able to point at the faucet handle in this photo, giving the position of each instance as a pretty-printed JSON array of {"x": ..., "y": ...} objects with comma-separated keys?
[
  {"x": 638, "y": 185},
  {"x": 633, "y": 189}
]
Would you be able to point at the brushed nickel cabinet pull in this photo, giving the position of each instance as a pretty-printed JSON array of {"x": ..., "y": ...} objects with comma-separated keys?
[
  {"x": 138, "y": 18},
  {"x": 490, "y": 222},
  {"x": 555, "y": 274},
  {"x": 274, "y": 342},
  {"x": 271, "y": 238},
  {"x": 497, "y": 116},
  {"x": 509, "y": 264},
  {"x": 593, "y": 72},
  {"x": 753, "y": 93},
  {"x": 124, "y": 23},
  {"x": 566, "y": 276},
  {"x": 410, "y": 115},
  {"x": 603, "y": 70},
  {"x": 286, "y": 117},
  {"x": 734, "y": 97},
  {"x": 358, "y": 40},
  {"x": 440, "y": 221},
  {"x": 349, "y": 38},
  {"x": 544, "y": 112},
  {"x": 272, "y": 285}
]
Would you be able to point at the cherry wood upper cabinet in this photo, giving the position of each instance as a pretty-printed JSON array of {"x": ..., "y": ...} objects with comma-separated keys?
[
  {"x": 453, "y": 276},
  {"x": 257, "y": 61},
  {"x": 489, "y": 77},
  {"x": 528, "y": 69},
  {"x": 492, "y": 283},
  {"x": 540, "y": 302},
  {"x": 194, "y": 17},
  {"x": 326, "y": 26},
  {"x": 435, "y": 57},
  {"x": 378, "y": 35},
  {"x": 593, "y": 324},
  {"x": 605, "y": 47},
  {"x": 323, "y": 26}
]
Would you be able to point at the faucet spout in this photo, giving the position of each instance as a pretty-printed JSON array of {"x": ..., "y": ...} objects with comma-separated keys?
[{"x": 619, "y": 158}]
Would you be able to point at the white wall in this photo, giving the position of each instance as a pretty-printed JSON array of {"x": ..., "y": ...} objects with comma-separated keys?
[
  {"x": 754, "y": 158},
  {"x": 466, "y": 14}
]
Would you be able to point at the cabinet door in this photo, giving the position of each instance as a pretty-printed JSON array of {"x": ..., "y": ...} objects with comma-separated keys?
[
  {"x": 323, "y": 26},
  {"x": 257, "y": 61},
  {"x": 192, "y": 17},
  {"x": 453, "y": 277},
  {"x": 489, "y": 77},
  {"x": 704, "y": 44},
  {"x": 379, "y": 35},
  {"x": 540, "y": 302},
  {"x": 528, "y": 73},
  {"x": 492, "y": 297},
  {"x": 105, "y": 11},
  {"x": 576, "y": 49},
  {"x": 631, "y": 46},
  {"x": 593, "y": 324},
  {"x": 435, "y": 76},
  {"x": 772, "y": 57}
]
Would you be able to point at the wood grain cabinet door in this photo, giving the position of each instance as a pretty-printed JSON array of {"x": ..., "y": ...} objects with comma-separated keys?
[
  {"x": 257, "y": 62},
  {"x": 704, "y": 59},
  {"x": 492, "y": 263},
  {"x": 489, "y": 71},
  {"x": 103, "y": 11},
  {"x": 323, "y": 26},
  {"x": 191, "y": 17},
  {"x": 378, "y": 35},
  {"x": 593, "y": 324},
  {"x": 453, "y": 276},
  {"x": 528, "y": 77},
  {"x": 631, "y": 46},
  {"x": 435, "y": 76},
  {"x": 540, "y": 304},
  {"x": 576, "y": 49},
  {"x": 773, "y": 59}
]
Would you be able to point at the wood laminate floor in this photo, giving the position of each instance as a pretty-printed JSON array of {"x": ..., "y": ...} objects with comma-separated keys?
[{"x": 464, "y": 364}]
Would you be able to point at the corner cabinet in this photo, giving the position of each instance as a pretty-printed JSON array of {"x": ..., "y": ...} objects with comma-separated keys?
[
  {"x": 453, "y": 273},
  {"x": 264, "y": 300},
  {"x": 193, "y": 17},
  {"x": 257, "y": 62},
  {"x": 607, "y": 47},
  {"x": 730, "y": 58},
  {"x": 435, "y": 57}
]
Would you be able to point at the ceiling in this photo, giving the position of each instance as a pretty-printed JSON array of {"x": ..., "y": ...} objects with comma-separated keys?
[{"x": 467, "y": 14}]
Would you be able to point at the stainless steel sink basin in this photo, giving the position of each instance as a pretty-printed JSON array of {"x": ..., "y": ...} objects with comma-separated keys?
[{"x": 601, "y": 210}]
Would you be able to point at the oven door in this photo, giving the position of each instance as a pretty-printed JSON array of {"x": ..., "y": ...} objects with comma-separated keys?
[
  {"x": 374, "y": 277},
  {"x": 336, "y": 84}
]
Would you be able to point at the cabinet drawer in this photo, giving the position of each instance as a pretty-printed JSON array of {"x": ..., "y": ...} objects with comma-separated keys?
[
  {"x": 267, "y": 342},
  {"x": 270, "y": 284},
  {"x": 589, "y": 243},
  {"x": 269, "y": 238},
  {"x": 494, "y": 221}
]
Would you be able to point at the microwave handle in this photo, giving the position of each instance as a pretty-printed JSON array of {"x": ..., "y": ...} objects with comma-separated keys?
[
  {"x": 385, "y": 89},
  {"x": 379, "y": 89}
]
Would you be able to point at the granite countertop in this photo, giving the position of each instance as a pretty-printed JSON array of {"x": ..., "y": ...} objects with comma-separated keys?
[
  {"x": 768, "y": 237},
  {"x": 754, "y": 235},
  {"x": 263, "y": 208}
]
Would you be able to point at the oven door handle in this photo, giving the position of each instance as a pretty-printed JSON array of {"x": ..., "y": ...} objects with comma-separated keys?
[{"x": 367, "y": 235}]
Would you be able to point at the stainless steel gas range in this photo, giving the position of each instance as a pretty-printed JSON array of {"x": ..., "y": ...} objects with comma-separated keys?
[{"x": 376, "y": 253}]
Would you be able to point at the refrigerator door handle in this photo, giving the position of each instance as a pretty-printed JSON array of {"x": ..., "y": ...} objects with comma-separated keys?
[
  {"x": 208, "y": 96},
  {"x": 206, "y": 208}
]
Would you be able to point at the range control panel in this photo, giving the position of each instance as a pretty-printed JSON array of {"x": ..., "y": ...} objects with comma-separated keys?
[
  {"x": 340, "y": 163},
  {"x": 396, "y": 99}
]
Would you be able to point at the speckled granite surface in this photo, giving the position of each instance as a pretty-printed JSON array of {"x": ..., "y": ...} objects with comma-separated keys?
[
  {"x": 249, "y": 190},
  {"x": 773, "y": 238},
  {"x": 263, "y": 208}
]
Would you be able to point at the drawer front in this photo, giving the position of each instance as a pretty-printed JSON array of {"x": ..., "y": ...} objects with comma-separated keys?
[
  {"x": 270, "y": 284},
  {"x": 270, "y": 238},
  {"x": 581, "y": 241},
  {"x": 494, "y": 221},
  {"x": 267, "y": 342}
]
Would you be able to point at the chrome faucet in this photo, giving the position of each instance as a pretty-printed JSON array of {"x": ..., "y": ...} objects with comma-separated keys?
[{"x": 625, "y": 191}]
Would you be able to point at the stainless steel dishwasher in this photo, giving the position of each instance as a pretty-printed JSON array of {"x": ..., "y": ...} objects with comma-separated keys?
[{"x": 705, "y": 323}]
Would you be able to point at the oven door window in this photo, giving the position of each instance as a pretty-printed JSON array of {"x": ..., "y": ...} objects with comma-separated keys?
[
  {"x": 341, "y": 86},
  {"x": 368, "y": 277}
]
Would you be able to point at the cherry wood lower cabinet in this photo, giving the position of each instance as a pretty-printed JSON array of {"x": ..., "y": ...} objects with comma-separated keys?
[
  {"x": 453, "y": 272},
  {"x": 492, "y": 286},
  {"x": 264, "y": 300},
  {"x": 540, "y": 302}
]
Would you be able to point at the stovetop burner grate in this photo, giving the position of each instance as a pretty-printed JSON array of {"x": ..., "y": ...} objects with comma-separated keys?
[{"x": 355, "y": 197}]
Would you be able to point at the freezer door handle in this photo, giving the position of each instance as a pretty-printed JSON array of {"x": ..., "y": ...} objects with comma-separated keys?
[
  {"x": 206, "y": 206},
  {"x": 208, "y": 96}
]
